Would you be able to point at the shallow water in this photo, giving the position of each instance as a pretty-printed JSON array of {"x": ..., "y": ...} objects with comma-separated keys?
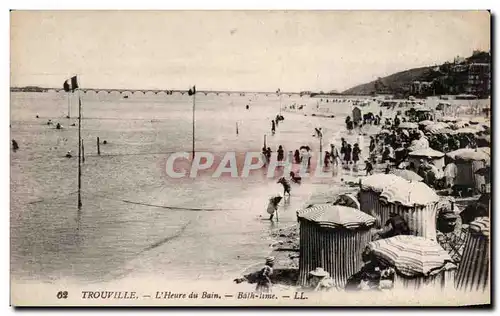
[{"x": 114, "y": 235}]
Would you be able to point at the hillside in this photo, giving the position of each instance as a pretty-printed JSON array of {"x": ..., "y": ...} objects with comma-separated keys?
[
  {"x": 392, "y": 84},
  {"x": 470, "y": 75}
]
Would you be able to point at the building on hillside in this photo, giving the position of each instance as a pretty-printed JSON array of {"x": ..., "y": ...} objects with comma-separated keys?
[{"x": 479, "y": 79}]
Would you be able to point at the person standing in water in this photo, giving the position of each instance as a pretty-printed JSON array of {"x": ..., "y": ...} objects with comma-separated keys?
[
  {"x": 273, "y": 127},
  {"x": 15, "y": 146},
  {"x": 334, "y": 155},
  {"x": 281, "y": 153},
  {"x": 268, "y": 154},
  {"x": 297, "y": 156}
]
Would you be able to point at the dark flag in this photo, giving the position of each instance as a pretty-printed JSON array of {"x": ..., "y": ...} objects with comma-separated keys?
[
  {"x": 74, "y": 83},
  {"x": 192, "y": 91},
  {"x": 70, "y": 84}
]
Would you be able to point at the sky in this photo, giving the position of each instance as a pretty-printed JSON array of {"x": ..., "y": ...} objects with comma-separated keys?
[{"x": 235, "y": 50}]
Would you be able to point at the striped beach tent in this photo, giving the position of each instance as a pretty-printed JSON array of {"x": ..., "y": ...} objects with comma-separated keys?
[
  {"x": 435, "y": 156},
  {"x": 414, "y": 201},
  {"x": 474, "y": 268},
  {"x": 332, "y": 237},
  {"x": 469, "y": 161},
  {"x": 419, "y": 262}
]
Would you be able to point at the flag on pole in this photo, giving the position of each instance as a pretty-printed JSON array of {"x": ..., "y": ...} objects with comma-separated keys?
[
  {"x": 192, "y": 90},
  {"x": 71, "y": 84}
]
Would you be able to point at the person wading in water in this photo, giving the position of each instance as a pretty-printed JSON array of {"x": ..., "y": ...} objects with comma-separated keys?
[{"x": 281, "y": 153}]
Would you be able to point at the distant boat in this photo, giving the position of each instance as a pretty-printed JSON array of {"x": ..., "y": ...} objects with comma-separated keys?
[{"x": 125, "y": 97}]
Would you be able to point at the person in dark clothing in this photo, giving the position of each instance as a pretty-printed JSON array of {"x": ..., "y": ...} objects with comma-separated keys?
[
  {"x": 297, "y": 156},
  {"x": 281, "y": 154},
  {"x": 268, "y": 154},
  {"x": 397, "y": 121},
  {"x": 347, "y": 155},
  {"x": 273, "y": 127},
  {"x": 372, "y": 144},
  {"x": 369, "y": 167},
  {"x": 395, "y": 225},
  {"x": 326, "y": 161},
  {"x": 15, "y": 146},
  {"x": 355, "y": 153},
  {"x": 350, "y": 126},
  {"x": 295, "y": 178},
  {"x": 380, "y": 113},
  {"x": 264, "y": 153},
  {"x": 388, "y": 169}
]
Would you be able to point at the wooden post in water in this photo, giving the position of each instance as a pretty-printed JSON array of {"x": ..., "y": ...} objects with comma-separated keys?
[
  {"x": 236, "y": 128},
  {"x": 79, "y": 152},
  {"x": 265, "y": 141},
  {"x": 194, "y": 105},
  {"x": 98, "y": 146},
  {"x": 83, "y": 153}
]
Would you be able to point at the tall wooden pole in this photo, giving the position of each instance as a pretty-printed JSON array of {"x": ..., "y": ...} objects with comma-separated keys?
[
  {"x": 79, "y": 152},
  {"x": 280, "y": 101},
  {"x": 194, "y": 106},
  {"x": 321, "y": 149},
  {"x": 69, "y": 105}
]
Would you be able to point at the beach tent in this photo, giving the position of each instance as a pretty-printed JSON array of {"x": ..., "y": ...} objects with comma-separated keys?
[
  {"x": 436, "y": 157},
  {"x": 332, "y": 237},
  {"x": 383, "y": 194},
  {"x": 469, "y": 161},
  {"x": 474, "y": 271},
  {"x": 356, "y": 115},
  {"x": 420, "y": 263}
]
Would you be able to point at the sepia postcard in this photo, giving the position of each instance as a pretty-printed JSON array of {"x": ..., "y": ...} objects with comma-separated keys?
[{"x": 250, "y": 158}]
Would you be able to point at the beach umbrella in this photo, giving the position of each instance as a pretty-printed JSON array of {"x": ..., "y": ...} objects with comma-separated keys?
[
  {"x": 407, "y": 174},
  {"x": 443, "y": 131},
  {"x": 426, "y": 152},
  {"x": 469, "y": 154},
  {"x": 408, "y": 125},
  {"x": 426, "y": 122},
  {"x": 410, "y": 255},
  {"x": 460, "y": 124},
  {"x": 436, "y": 126},
  {"x": 466, "y": 130},
  {"x": 409, "y": 193}
]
